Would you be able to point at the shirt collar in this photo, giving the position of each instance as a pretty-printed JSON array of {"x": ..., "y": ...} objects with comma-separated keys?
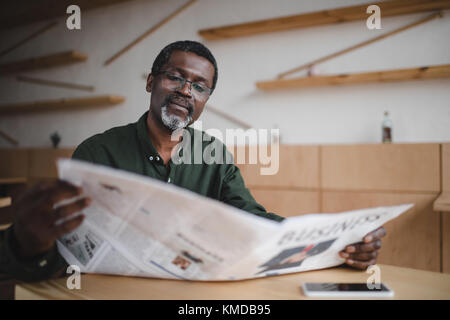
[{"x": 144, "y": 139}]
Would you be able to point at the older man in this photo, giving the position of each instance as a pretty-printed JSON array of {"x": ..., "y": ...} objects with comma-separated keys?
[{"x": 183, "y": 77}]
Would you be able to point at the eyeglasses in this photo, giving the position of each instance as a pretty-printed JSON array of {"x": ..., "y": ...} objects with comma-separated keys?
[{"x": 178, "y": 82}]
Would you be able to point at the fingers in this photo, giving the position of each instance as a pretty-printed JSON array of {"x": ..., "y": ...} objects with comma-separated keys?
[
  {"x": 375, "y": 235},
  {"x": 69, "y": 209},
  {"x": 35, "y": 217},
  {"x": 68, "y": 226},
  {"x": 63, "y": 190},
  {"x": 54, "y": 191},
  {"x": 360, "y": 256},
  {"x": 363, "y": 265},
  {"x": 363, "y": 247}
]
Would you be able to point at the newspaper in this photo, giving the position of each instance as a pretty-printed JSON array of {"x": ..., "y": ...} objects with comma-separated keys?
[{"x": 139, "y": 226}]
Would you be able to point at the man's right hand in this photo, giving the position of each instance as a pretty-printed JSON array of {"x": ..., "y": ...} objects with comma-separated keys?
[{"x": 35, "y": 227}]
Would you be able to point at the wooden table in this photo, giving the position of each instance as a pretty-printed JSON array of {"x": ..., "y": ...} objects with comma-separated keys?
[{"x": 407, "y": 284}]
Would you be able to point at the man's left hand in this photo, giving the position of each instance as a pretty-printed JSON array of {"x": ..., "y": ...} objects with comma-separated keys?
[{"x": 361, "y": 255}]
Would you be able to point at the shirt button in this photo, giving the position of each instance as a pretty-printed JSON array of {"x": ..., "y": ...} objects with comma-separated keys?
[
  {"x": 151, "y": 158},
  {"x": 43, "y": 263},
  {"x": 157, "y": 158}
]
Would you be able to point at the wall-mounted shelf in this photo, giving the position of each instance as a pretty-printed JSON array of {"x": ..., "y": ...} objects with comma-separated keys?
[
  {"x": 442, "y": 203},
  {"x": 5, "y": 202},
  {"x": 43, "y": 62},
  {"x": 14, "y": 180},
  {"x": 61, "y": 104},
  {"x": 353, "y": 13},
  {"x": 441, "y": 71}
]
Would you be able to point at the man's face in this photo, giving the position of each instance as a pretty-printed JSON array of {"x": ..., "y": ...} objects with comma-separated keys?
[{"x": 178, "y": 107}]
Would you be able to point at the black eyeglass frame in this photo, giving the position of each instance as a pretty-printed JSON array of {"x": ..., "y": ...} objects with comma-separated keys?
[{"x": 182, "y": 82}]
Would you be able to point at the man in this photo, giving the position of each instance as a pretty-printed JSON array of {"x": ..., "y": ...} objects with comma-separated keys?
[{"x": 183, "y": 77}]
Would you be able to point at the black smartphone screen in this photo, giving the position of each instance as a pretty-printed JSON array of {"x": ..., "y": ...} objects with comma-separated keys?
[{"x": 345, "y": 287}]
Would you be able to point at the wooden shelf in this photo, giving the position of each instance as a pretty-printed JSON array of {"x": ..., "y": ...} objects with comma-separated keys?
[
  {"x": 43, "y": 62},
  {"x": 61, "y": 104},
  {"x": 353, "y": 13},
  {"x": 432, "y": 72},
  {"x": 14, "y": 180},
  {"x": 5, "y": 202},
  {"x": 442, "y": 203}
]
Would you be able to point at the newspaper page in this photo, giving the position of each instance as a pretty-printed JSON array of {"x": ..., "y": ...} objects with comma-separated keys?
[{"x": 140, "y": 226}]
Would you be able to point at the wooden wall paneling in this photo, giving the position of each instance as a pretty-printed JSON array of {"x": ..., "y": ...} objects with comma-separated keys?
[
  {"x": 287, "y": 202},
  {"x": 43, "y": 162},
  {"x": 298, "y": 168},
  {"x": 13, "y": 163},
  {"x": 381, "y": 167},
  {"x": 445, "y": 231},
  {"x": 445, "y": 216},
  {"x": 442, "y": 203},
  {"x": 413, "y": 239},
  {"x": 445, "y": 167}
]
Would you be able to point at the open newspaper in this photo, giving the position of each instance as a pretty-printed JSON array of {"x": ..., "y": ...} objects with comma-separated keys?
[{"x": 141, "y": 226}]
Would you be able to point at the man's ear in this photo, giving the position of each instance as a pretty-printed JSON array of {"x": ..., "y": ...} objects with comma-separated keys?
[{"x": 149, "y": 83}]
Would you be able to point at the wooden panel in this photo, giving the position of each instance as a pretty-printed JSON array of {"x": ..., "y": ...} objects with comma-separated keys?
[
  {"x": 442, "y": 203},
  {"x": 43, "y": 162},
  {"x": 298, "y": 168},
  {"x": 428, "y": 72},
  {"x": 445, "y": 242},
  {"x": 445, "y": 167},
  {"x": 393, "y": 167},
  {"x": 13, "y": 163},
  {"x": 353, "y": 13},
  {"x": 43, "y": 62},
  {"x": 413, "y": 239},
  {"x": 61, "y": 104},
  {"x": 287, "y": 203}
]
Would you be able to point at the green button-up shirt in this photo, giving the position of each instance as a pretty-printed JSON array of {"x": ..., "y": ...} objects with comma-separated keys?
[{"x": 129, "y": 148}]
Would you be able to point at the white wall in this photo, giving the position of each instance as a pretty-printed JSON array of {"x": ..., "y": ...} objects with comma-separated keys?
[{"x": 420, "y": 110}]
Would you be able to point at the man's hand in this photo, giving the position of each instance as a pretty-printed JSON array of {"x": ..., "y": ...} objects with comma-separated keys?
[
  {"x": 361, "y": 255},
  {"x": 35, "y": 227}
]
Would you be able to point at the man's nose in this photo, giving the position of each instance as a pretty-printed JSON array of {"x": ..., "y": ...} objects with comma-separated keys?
[{"x": 186, "y": 89}]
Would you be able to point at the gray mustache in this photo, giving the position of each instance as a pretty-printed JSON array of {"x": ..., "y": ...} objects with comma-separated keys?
[{"x": 175, "y": 98}]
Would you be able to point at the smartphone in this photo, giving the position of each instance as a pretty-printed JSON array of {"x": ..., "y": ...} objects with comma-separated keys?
[{"x": 345, "y": 290}]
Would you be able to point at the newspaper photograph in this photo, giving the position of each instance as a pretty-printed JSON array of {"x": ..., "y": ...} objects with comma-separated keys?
[{"x": 140, "y": 226}]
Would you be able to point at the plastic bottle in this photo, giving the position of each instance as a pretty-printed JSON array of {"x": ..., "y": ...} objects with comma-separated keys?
[{"x": 387, "y": 128}]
